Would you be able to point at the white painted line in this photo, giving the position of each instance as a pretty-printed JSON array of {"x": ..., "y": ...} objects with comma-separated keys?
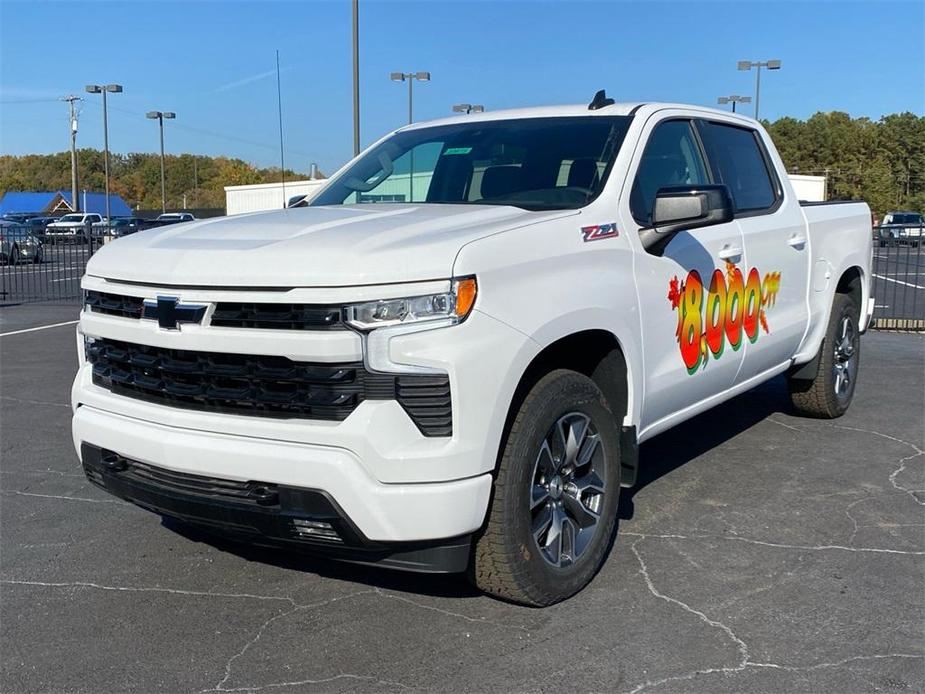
[
  {"x": 890, "y": 279},
  {"x": 41, "y": 327}
]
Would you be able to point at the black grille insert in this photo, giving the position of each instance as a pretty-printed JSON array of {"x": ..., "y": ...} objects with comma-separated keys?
[
  {"x": 277, "y": 316},
  {"x": 267, "y": 386},
  {"x": 114, "y": 304}
]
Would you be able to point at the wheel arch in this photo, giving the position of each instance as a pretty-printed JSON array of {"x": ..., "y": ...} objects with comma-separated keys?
[
  {"x": 601, "y": 356},
  {"x": 851, "y": 283}
]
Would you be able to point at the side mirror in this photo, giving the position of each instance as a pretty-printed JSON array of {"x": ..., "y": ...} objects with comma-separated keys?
[
  {"x": 297, "y": 201},
  {"x": 679, "y": 208}
]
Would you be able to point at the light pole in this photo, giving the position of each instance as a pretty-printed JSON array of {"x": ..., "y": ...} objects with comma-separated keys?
[
  {"x": 748, "y": 65},
  {"x": 356, "y": 77},
  {"x": 468, "y": 108},
  {"x": 410, "y": 77},
  {"x": 734, "y": 99},
  {"x": 103, "y": 89},
  {"x": 159, "y": 116}
]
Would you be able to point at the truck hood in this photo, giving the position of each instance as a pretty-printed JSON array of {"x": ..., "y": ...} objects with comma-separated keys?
[{"x": 309, "y": 246}]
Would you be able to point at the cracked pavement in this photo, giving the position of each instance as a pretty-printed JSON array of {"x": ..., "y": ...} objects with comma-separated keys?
[{"x": 760, "y": 552}]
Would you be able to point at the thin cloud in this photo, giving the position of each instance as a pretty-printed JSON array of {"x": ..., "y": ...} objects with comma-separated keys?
[{"x": 246, "y": 80}]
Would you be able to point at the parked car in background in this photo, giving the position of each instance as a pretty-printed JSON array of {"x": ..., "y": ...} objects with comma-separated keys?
[
  {"x": 19, "y": 217},
  {"x": 37, "y": 224},
  {"x": 75, "y": 228},
  {"x": 175, "y": 217},
  {"x": 123, "y": 226},
  {"x": 901, "y": 228},
  {"x": 18, "y": 243}
]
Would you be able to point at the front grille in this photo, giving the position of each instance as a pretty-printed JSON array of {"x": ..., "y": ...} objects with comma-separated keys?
[
  {"x": 233, "y": 314},
  {"x": 114, "y": 304},
  {"x": 277, "y": 316},
  {"x": 267, "y": 386}
]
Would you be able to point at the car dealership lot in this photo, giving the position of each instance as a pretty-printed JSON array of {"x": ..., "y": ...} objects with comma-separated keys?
[{"x": 760, "y": 552}]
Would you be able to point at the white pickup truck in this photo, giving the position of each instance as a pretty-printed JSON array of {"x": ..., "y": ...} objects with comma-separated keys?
[{"x": 453, "y": 370}]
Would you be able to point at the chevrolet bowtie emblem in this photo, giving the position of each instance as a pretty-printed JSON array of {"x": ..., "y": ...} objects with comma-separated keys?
[{"x": 169, "y": 312}]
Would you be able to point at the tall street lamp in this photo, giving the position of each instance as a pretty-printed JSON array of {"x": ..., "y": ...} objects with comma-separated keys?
[
  {"x": 468, "y": 108},
  {"x": 748, "y": 65},
  {"x": 734, "y": 99},
  {"x": 410, "y": 78},
  {"x": 103, "y": 89},
  {"x": 159, "y": 116}
]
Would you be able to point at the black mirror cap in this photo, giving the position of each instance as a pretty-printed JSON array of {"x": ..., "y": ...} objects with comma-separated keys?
[
  {"x": 680, "y": 208},
  {"x": 297, "y": 201}
]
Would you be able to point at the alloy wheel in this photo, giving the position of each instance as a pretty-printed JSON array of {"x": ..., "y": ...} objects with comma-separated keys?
[
  {"x": 568, "y": 486},
  {"x": 844, "y": 364}
]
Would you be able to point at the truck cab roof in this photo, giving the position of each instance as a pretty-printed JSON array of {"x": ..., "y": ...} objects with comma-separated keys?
[{"x": 572, "y": 110}]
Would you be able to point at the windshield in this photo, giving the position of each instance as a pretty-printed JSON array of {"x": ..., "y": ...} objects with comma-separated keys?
[
  {"x": 72, "y": 218},
  {"x": 169, "y": 216},
  {"x": 907, "y": 219},
  {"x": 535, "y": 164}
]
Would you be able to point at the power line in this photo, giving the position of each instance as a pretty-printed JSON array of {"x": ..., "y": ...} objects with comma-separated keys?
[{"x": 211, "y": 133}]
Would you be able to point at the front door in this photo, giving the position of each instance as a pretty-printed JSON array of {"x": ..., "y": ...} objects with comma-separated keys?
[{"x": 689, "y": 294}]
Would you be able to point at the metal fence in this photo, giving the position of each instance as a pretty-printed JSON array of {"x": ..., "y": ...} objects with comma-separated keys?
[
  {"x": 899, "y": 279},
  {"x": 39, "y": 268}
]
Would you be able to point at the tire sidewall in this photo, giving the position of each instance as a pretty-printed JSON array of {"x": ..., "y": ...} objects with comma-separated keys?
[{"x": 557, "y": 394}]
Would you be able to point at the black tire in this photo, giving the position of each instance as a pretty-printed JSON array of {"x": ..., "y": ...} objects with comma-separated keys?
[
  {"x": 39, "y": 257},
  {"x": 829, "y": 393},
  {"x": 508, "y": 561},
  {"x": 13, "y": 257}
]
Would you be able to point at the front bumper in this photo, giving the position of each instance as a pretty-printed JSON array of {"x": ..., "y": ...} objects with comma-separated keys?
[
  {"x": 380, "y": 513},
  {"x": 265, "y": 514}
]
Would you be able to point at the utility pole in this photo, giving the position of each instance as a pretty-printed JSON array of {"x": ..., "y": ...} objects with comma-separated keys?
[
  {"x": 72, "y": 124},
  {"x": 356, "y": 77}
]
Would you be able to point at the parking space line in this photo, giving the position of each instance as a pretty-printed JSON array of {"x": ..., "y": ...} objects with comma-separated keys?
[
  {"x": 890, "y": 279},
  {"x": 41, "y": 327}
]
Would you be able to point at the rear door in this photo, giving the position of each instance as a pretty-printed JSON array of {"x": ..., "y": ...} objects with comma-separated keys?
[
  {"x": 775, "y": 267},
  {"x": 681, "y": 290}
]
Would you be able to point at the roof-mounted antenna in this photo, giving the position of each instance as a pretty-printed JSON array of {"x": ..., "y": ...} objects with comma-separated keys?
[{"x": 600, "y": 100}]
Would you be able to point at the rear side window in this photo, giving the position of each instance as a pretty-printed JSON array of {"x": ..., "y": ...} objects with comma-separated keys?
[{"x": 738, "y": 160}]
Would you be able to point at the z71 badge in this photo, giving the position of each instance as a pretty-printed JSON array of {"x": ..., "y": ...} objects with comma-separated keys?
[{"x": 599, "y": 231}]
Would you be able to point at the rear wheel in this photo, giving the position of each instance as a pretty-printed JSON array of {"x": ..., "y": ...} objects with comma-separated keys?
[
  {"x": 553, "y": 512},
  {"x": 829, "y": 393},
  {"x": 13, "y": 257}
]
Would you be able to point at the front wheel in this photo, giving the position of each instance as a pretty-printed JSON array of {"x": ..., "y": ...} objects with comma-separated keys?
[
  {"x": 13, "y": 257},
  {"x": 553, "y": 511},
  {"x": 829, "y": 393}
]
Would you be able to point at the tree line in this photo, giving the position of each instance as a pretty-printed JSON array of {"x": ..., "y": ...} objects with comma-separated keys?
[
  {"x": 198, "y": 180},
  {"x": 882, "y": 162}
]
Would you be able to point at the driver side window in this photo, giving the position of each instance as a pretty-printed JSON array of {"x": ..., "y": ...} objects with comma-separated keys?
[{"x": 672, "y": 158}]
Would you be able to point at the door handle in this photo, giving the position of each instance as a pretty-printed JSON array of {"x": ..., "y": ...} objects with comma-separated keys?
[
  {"x": 730, "y": 252},
  {"x": 796, "y": 241}
]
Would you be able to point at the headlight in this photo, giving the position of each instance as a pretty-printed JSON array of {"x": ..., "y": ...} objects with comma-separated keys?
[{"x": 454, "y": 305}]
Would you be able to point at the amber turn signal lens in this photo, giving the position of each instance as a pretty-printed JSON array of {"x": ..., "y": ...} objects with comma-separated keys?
[{"x": 466, "y": 289}]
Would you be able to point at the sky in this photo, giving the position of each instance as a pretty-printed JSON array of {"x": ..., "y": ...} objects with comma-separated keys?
[{"x": 214, "y": 64}]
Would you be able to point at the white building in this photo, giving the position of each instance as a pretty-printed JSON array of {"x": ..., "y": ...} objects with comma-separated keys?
[
  {"x": 809, "y": 188},
  {"x": 267, "y": 196}
]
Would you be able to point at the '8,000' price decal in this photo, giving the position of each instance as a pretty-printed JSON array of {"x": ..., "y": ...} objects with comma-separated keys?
[{"x": 730, "y": 307}]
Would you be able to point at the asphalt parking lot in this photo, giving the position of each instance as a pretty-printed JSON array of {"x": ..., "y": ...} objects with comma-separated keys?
[{"x": 760, "y": 552}]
